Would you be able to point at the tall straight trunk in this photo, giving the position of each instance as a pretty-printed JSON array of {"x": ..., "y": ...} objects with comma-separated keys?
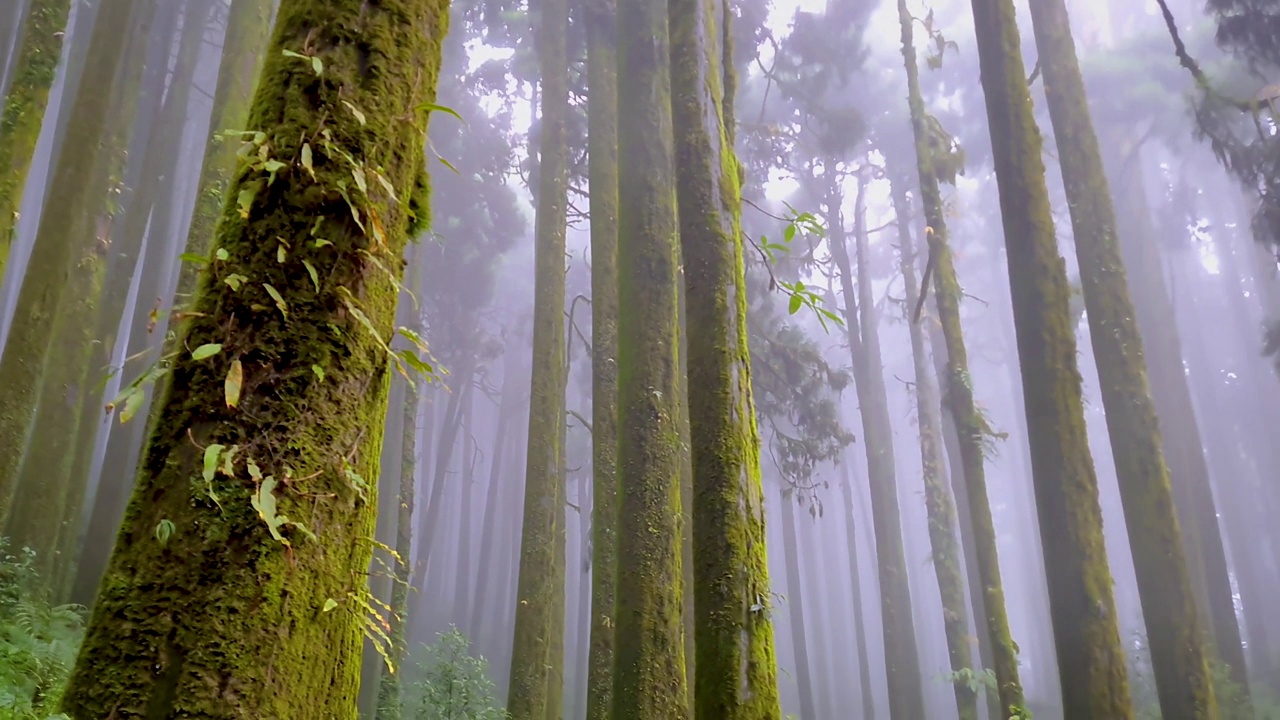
[
  {"x": 736, "y": 670},
  {"x": 429, "y": 519},
  {"x": 22, "y": 107},
  {"x": 865, "y": 692},
  {"x": 902, "y": 658},
  {"x": 795, "y": 608},
  {"x": 310, "y": 403},
  {"x": 1091, "y": 662},
  {"x": 970, "y": 428},
  {"x": 470, "y": 456},
  {"x": 939, "y": 505},
  {"x": 536, "y": 606},
  {"x": 649, "y": 662},
  {"x": 1164, "y": 588},
  {"x": 582, "y": 623},
  {"x": 389, "y": 685},
  {"x": 60, "y": 238},
  {"x": 10, "y": 21},
  {"x": 486, "y": 585},
  {"x": 1189, "y": 469},
  {"x": 602, "y": 156},
  {"x": 559, "y": 570}
]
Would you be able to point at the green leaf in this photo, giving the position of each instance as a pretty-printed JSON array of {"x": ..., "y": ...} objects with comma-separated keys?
[
  {"x": 211, "y": 455},
  {"x": 207, "y": 350},
  {"x": 289, "y": 53},
  {"x": 194, "y": 258},
  {"x": 329, "y": 604},
  {"x": 361, "y": 183},
  {"x": 245, "y": 198},
  {"x": 315, "y": 277},
  {"x": 355, "y": 111},
  {"x": 235, "y": 280},
  {"x": 317, "y": 65},
  {"x": 280, "y": 304},
  {"x": 306, "y": 161},
  {"x": 222, "y": 254},
  {"x": 321, "y": 242},
  {"x": 132, "y": 404},
  {"x": 790, "y": 233},
  {"x": 319, "y": 372},
  {"x": 233, "y": 383},
  {"x": 281, "y": 254},
  {"x": 433, "y": 107},
  {"x": 796, "y": 302},
  {"x": 164, "y": 530}
]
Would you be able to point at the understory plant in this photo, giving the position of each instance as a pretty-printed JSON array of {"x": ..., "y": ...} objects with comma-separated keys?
[{"x": 38, "y": 641}]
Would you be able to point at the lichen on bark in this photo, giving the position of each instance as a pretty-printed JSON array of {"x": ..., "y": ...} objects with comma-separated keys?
[
  {"x": 1091, "y": 662},
  {"x": 1168, "y": 605},
  {"x": 649, "y": 663},
  {"x": 971, "y": 430},
  {"x": 202, "y": 612},
  {"x": 537, "y": 598}
]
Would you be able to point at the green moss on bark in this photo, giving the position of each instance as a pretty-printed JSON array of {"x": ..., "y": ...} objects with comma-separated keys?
[
  {"x": 737, "y": 672},
  {"x": 602, "y": 132},
  {"x": 389, "y": 685},
  {"x": 220, "y": 619},
  {"x": 1164, "y": 588},
  {"x": 970, "y": 429},
  {"x": 649, "y": 663},
  {"x": 537, "y": 598},
  {"x": 22, "y": 113},
  {"x": 1091, "y": 663},
  {"x": 939, "y": 505}
]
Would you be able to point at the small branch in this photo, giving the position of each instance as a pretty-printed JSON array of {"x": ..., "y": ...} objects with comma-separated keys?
[
  {"x": 1035, "y": 73},
  {"x": 578, "y": 416}
]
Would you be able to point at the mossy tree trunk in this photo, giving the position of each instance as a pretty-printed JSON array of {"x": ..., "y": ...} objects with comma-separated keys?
[
  {"x": 204, "y": 610},
  {"x": 902, "y": 658},
  {"x": 544, "y": 513},
  {"x": 1164, "y": 587},
  {"x": 600, "y": 19},
  {"x": 736, "y": 669},
  {"x": 1165, "y": 366},
  {"x": 22, "y": 109},
  {"x": 1091, "y": 662},
  {"x": 970, "y": 427},
  {"x": 60, "y": 238},
  {"x": 939, "y": 505},
  {"x": 649, "y": 663}
]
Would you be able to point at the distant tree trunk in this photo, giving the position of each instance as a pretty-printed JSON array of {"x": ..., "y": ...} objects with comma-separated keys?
[
  {"x": 970, "y": 428},
  {"x": 736, "y": 671},
  {"x": 536, "y": 598},
  {"x": 1189, "y": 469},
  {"x": 795, "y": 607},
  {"x": 289, "y": 454},
  {"x": 582, "y": 623},
  {"x": 451, "y": 424},
  {"x": 389, "y": 685},
  {"x": 938, "y": 503},
  {"x": 1091, "y": 662},
  {"x": 470, "y": 456},
  {"x": 23, "y": 106},
  {"x": 649, "y": 663},
  {"x": 488, "y": 565},
  {"x": 61, "y": 237},
  {"x": 855, "y": 576},
  {"x": 600, "y": 19},
  {"x": 902, "y": 658},
  {"x": 559, "y": 571},
  {"x": 1164, "y": 588}
]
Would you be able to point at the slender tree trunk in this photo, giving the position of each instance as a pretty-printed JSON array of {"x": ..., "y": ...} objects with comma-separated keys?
[
  {"x": 1189, "y": 470},
  {"x": 970, "y": 427},
  {"x": 602, "y": 156},
  {"x": 902, "y": 658},
  {"x": 938, "y": 503},
  {"x": 536, "y": 605},
  {"x": 795, "y": 607},
  {"x": 279, "y": 628},
  {"x": 59, "y": 239},
  {"x": 389, "y": 685},
  {"x": 1164, "y": 588},
  {"x": 470, "y": 456},
  {"x": 22, "y": 109},
  {"x": 430, "y": 519},
  {"x": 736, "y": 670},
  {"x": 1091, "y": 662},
  {"x": 649, "y": 662},
  {"x": 486, "y": 584},
  {"x": 855, "y": 576}
]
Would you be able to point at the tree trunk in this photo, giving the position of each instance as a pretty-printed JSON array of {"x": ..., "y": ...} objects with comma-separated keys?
[
  {"x": 602, "y": 156},
  {"x": 649, "y": 662},
  {"x": 736, "y": 670},
  {"x": 795, "y": 607},
  {"x": 488, "y": 565},
  {"x": 1091, "y": 662},
  {"x": 1164, "y": 588},
  {"x": 536, "y": 605},
  {"x": 275, "y": 576},
  {"x": 902, "y": 658},
  {"x": 855, "y": 576},
  {"x": 22, "y": 108},
  {"x": 938, "y": 503}
]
